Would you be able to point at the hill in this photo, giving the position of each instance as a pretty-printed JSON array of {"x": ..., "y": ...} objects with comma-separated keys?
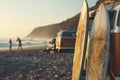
[{"x": 50, "y": 31}]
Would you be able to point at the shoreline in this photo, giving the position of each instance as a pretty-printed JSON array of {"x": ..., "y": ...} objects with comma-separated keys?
[{"x": 33, "y": 47}]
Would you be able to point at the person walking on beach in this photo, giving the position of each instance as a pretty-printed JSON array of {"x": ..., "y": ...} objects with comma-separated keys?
[
  {"x": 19, "y": 44},
  {"x": 10, "y": 44}
]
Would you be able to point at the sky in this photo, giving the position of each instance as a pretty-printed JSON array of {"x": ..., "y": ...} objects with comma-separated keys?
[{"x": 20, "y": 17}]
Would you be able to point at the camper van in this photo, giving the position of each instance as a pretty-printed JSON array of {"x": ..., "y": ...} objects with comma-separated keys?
[
  {"x": 65, "y": 40},
  {"x": 51, "y": 45}
]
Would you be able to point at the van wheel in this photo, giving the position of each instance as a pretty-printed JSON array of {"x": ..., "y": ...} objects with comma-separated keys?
[
  {"x": 48, "y": 51},
  {"x": 58, "y": 50},
  {"x": 52, "y": 52}
]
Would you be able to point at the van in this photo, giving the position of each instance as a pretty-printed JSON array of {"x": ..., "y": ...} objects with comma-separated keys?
[
  {"x": 65, "y": 40},
  {"x": 51, "y": 45}
]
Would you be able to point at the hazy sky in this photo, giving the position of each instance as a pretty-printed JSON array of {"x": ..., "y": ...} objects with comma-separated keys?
[{"x": 20, "y": 17}]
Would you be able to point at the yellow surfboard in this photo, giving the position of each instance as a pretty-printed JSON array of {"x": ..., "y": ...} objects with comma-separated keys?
[{"x": 81, "y": 43}]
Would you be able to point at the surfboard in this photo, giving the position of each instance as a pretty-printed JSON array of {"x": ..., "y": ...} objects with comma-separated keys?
[
  {"x": 81, "y": 43},
  {"x": 99, "y": 46}
]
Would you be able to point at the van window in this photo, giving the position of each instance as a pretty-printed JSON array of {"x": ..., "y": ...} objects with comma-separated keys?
[
  {"x": 118, "y": 19},
  {"x": 69, "y": 34},
  {"x": 112, "y": 15},
  {"x": 53, "y": 41},
  {"x": 60, "y": 34}
]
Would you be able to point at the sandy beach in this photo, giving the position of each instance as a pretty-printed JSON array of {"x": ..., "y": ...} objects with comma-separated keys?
[{"x": 34, "y": 63}]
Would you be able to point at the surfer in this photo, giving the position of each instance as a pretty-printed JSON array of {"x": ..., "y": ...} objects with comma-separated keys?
[
  {"x": 19, "y": 43},
  {"x": 10, "y": 44}
]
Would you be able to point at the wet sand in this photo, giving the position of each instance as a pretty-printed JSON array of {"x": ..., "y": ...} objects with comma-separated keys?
[{"x": 35, "y": 64}]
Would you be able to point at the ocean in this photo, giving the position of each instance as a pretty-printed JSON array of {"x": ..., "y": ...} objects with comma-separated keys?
[{"x": 4, "y": 43}]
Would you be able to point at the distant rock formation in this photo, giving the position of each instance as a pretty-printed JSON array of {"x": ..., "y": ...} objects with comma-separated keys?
[{"x": 50, "y": 31}]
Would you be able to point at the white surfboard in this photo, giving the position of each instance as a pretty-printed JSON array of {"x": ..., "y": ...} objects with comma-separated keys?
[
  {"x": 81, "y": 43},
  {"x": 99, "y": 46}
]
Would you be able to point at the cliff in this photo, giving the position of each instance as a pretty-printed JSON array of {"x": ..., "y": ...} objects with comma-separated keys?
[{"x": 50, "y": 31}]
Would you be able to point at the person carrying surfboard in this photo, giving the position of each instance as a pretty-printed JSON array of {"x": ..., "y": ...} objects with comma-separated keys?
[{"x": 19, "y": 44}]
